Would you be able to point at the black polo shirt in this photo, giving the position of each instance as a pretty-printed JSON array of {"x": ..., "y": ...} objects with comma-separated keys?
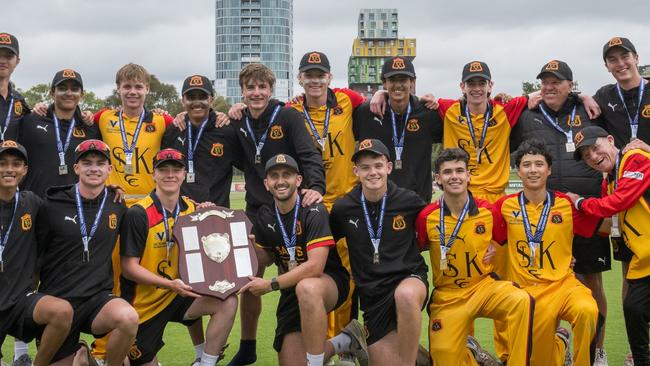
[
  {"x": 63, "y": 272},
  {"x": 217, "y": 151},
  {"x": 37, "y": 134},
  {"x": 399, "y": 256},
  {"x": 18, "y": 111},
  {"x": 19, "y": 256},
  {"x": 423, "y": 128},
  {"x": 288, "y": 135},
  {"x": 615, "y": 120}
]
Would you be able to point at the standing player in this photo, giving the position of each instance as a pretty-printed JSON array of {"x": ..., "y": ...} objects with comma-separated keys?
[
  {"x": 408, "y": 129},
  {"x": 377, "y": 219},
  {"x": 210, "y": 151},
  {"x": 77, "y": 229},
  {"x": 312, "y": 279},
  {"x": 25, "y": 313},
  {"x": 626, "y": 192},
  {"x": 559, "y": 117},
  {"x": 150, "y": 269},
  {"x": 51, "y": 139},
  {"x": 12, "y": 104},
  {"x": 539, "y": 226},
  {"x": 625, "y": 109},
  {"x": 268, "y": 129},
  {"x": 457, "y": 231}
]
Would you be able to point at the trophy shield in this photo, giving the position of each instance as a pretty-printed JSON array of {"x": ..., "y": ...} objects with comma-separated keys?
[{"x": 215, "y": 255}]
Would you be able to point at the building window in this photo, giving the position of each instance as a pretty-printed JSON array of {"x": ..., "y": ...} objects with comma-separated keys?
[
  {"x": 383, "y": 16},
  {"x": 371, "y": 16},
  {"x": 380, "y": 43},
  {"x": 373, "y": 25}
]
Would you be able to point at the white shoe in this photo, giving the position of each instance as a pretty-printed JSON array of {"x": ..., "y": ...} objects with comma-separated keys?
[
  {"x": 629, "y": 360},
  {"x": 565, "y": 336},
  {"x": 601, "y": 357},
  {"x": 346, "y": 359}
]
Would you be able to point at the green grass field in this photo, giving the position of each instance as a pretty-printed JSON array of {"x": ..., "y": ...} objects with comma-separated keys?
[{"x": 178, "y": 350}]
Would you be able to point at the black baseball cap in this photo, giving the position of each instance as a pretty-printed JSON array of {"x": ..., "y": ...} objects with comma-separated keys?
[
  {"x": 314, "y": 60},
  {"x": 197, "y": 82},
  {"x": 476, "y": 69},
  {"x": 10, "y": 145},
  {"x": 397, "y": 66},
  {"x": 587, "y": 137},
  {"x": 168, "y": 154},
  {"x": 92, "y": 145},
  {"x": 67, "y": 74},
  {"x": 281, "y": 160},
  {"x": 373, "y": 146},
  {"x": 557, "y": 68},
  {"x": 10, "y": 42},
  {"x": 618, "y": 42}
]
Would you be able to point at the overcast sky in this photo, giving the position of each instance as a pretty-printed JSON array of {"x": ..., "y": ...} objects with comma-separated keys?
[{"x": 174, "y": 39}]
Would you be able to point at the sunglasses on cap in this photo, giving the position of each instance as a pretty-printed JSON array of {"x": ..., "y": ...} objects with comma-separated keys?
[{"x": 93, "y": 145}]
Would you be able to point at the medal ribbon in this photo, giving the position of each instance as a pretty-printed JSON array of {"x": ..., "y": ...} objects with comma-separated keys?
[
  {"x": 128, "y": 151},
  {"x": 375, "y": 236},
  {"x": 85, "y": 236},
  {"x": 259, "y": 145},
  {"x": 5, "y": 238},
  {"x": 470, "y": 125},
  {"x": 7, "y": 120},
  {"x": 443, "y": 242},
  {"x": 535, "y": 240},
  {"x": 634, "y": 122},
  {"x": 191, "y": 146},
  {"x": 399, "y": 143},
  {"x": 168, "y": 235},
  {"x": 289, "y": 243},
  {"x": 554, "y": 124},
  {"x": 60, "y": 147},
  {"x": 326, "y": 125}
]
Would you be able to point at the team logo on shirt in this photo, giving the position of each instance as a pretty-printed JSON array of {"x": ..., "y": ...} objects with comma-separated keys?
[
  {"x": 479, "y": 228},
  {"x": 646, "y": 111},
  {"x": 556, "y": 217},
  {"x": 112, "y": 221},
  {"x": 398, "y": 64},
  {"x": 398, "y": 223},
  {"x": 338, "y": 110},
  {"x": 314, "y": 58},
  {"x": 553, "y": 65},
  {"x": 298, "y": 227},
  {"x": 217, "y": 149},
  {"x": 413, "y": 125},
  {"x": 26, "y": 222},
  {"x": 18, "y": 108},
  {"x": 150, "y": 127},
  {"x": 462, "y": 120},
  {"x": 576, "y": 122},
  {"x": 615, "y": 42},
  {"x": 78, "y": 132},
  {"x": 436, "y": 325},
  {"x": 276, "y": 132},
  {"x": 134, "y": 352}
]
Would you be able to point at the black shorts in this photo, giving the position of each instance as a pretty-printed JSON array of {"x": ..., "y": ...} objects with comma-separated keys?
[
  {"x": 288, "y": 312},
  {"x": 381, "y": 318},
  {"x": 18, "y": 321},
  {"x": 149, "y": 339},
  {"x": 85, "y": 311},
  {"x": 592, "y": 254},
  {"x": 621, "y": 251}
]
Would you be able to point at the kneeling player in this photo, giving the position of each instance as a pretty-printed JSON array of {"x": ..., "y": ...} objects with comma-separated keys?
[
  {"x": 539, "y": 225},
  {"x": 457, "y": 231},
  {"x": 377, "y": 219},
  {"x": 77, "y": 229},
  {"x": 150, "y": 269},
  {"x": 312, "y": 279},
  {"x": 25, "y": 314}
]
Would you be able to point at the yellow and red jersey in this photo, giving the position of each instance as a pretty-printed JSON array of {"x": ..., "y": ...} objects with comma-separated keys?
[
  {"x": 140, "y": 183},
  {"x": 553, "y": 257},
  {"x": 339, "y": 142},
  {"x": 490, "y": 177},
  {"x": 465, "y": 266},
  {"x": 629, "y": 199}
]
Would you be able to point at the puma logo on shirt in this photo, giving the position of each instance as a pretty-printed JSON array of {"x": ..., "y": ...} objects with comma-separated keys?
[
  {"x": 73, "y": 219},
  {"x": 272, "y": 227},
  {"x": 355, "y": 223},
  {"x": 182, "y": 140},
  {"x": 612, "y": 106},
  {"x": 42, "y": 127}
]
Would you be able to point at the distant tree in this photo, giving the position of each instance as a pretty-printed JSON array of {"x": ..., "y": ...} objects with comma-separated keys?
[
  {"x": 38, "y": 93},
  {"x": 220, "y": 104},
  {"x": 528, "y": 88},
  {"x": 90, "y": 102},
  {"x": 161, "y": 95}
]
